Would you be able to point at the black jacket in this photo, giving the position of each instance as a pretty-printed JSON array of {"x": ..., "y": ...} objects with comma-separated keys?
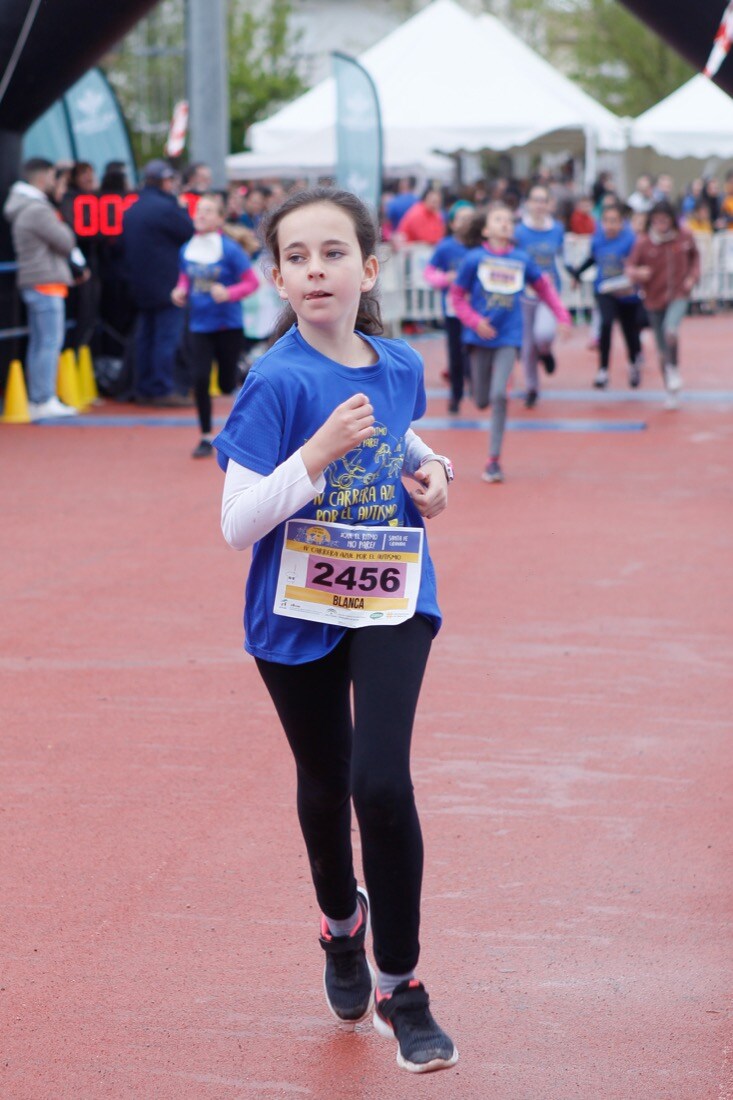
[{"x": 153, "y": 232}]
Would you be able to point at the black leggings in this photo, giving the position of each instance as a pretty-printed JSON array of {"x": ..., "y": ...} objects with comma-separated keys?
[
  {"x": 457, "y": 357},
  {"x": 365, "y": 757},
  {"x": 627, "y": 314},
  {"x": 204, "y": 347}
]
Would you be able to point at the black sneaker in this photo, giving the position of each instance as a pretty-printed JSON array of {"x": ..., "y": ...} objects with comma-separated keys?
[
  {"x": 493, "y": 471},
  {"x": 548, "y": 362},
  {"x": 348, "y": 979},
  {"x": 204, "y": 449},
  {"x": 634, "y": 374},
  {"x": 405, "y": 1015},
  {"x": 530, "y": 399}
]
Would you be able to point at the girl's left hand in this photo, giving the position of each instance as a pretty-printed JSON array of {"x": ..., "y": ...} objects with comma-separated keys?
[
  {"x": 431, "y": 496},
  {"x": 219, "y": 293}
]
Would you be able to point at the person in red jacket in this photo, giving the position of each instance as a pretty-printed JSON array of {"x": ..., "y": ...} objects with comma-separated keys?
[
  {"x": 666, "y": 264},
  {"x": 424, "y": 220},
  {"x": 581, "y": 220}
]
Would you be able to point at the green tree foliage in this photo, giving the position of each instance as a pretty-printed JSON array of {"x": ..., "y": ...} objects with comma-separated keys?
[
  {"x": 601, "y": 45},
  {"x": 148, "y": 69},
  {"x": 619, "y": 60},
  {"x": 262, "y": 64}
]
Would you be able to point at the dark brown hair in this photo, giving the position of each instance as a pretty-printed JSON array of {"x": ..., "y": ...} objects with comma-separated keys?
[
  {"x": 616, "y": 207},
  {"x": 369, "y": 317},
  {"x": 475, "y": 235}
]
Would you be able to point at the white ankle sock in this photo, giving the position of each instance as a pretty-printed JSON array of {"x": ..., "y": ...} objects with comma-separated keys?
[
  {"x": 344, "y": 927},
  {"x": 387, "y": 983}
]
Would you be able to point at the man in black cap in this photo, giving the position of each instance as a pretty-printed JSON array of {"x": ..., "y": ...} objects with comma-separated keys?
[{"x": 154, "y": 229}]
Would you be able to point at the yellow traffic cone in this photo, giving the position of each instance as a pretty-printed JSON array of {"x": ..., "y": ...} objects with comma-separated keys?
[
  {"x": 214, "y": 390},
  {"x": 67, "y": 383},
  {"x": 15, "y": 408},
  {"x": 88, "y": 391}
]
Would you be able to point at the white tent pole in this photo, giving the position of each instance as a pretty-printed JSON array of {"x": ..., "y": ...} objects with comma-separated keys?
[{"x": 591, "y": 156}]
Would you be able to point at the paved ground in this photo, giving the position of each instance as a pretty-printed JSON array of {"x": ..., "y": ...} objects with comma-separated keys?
[{"x": 572, "y": 760}]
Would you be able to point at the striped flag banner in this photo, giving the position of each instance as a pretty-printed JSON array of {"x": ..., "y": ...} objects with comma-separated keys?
[{"x": 722, "y": 42}]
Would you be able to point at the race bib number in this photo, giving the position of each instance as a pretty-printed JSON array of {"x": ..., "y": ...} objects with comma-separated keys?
[
  {"x": 501, "y": 276},
  {"x": 349, "y": 576}
]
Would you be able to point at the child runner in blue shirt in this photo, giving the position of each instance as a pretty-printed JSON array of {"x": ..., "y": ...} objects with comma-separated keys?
[
  {"x": 314, "y": 451},
  {"x": 486, "y": 296},
  {"x": 617, "y": 297},
  {"x": 215, "y": 275},
  {"x": 440, "y": 273},
  {"x": 542, "y": 238}
]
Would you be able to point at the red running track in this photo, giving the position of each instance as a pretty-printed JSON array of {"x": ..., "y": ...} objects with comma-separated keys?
[{"x": 572, "y": 761}]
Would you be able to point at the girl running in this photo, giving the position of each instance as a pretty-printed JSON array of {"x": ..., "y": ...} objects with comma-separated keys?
[
  {"x": 440, "y": 273},
  {"x": 616, "y": 296},
  {"x": 215, "y": 275},
  {"x": 542, "y": 238},
  {"x": 666, "y": 263},
  {"x": 321, "y": 432},
  {"x": 486, "y": 296}
]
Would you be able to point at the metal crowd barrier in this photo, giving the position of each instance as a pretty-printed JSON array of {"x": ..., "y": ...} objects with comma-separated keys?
[{"x": 406, "y": 295}]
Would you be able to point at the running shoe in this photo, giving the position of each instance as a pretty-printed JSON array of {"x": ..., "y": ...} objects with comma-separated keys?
[
  {"x": 493, "y": 471},
  {"x": 348, "y": 979},
  {"x": 53, "y": 409},
  {"x": 672, "y": 379},
  {"x": 204, "y": 449},
  {"x": 530, "y": 399},
  {"x": 671, "y": 400},
  {"x": 601, "y": 379},
  {"x": 548, "y": 362},
  {"x": 635, "y": 374},
  {"x": 405, "y": 1015}
]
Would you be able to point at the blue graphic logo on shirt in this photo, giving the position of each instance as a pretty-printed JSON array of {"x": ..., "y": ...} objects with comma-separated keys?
[{"x": 362, "y": 486}]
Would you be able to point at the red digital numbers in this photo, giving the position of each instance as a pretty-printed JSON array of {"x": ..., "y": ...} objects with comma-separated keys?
[{"x": 101, "y": 215}]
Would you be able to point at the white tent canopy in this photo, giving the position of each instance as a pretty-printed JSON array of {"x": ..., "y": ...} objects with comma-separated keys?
[
  {"x": 694, "y": 121},
  {"x": 608, "y": 130},
  {"x": 447, "y": 82},
  {"x": 314, "y": 155}
]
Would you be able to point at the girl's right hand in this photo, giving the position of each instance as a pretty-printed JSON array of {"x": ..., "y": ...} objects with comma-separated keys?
[
  {"x": 485, "y": 330},
  {"x": 348, "y": 426},
  {"x": 179, "y": 296}
]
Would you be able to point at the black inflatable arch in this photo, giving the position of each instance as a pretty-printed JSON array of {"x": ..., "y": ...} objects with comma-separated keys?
[
  {"x": 689, "y": 26},
  {"x": 46, "y": 45}
]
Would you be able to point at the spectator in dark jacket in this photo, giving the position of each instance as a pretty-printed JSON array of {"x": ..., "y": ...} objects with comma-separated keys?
[{"x": 154, "y": 229}]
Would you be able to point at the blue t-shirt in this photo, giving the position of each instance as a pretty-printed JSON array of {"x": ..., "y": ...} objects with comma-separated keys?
[
  {"x": 447, "y": 257},
  {"x": 399, "y": 205},
  {"x": 544, "y": 246},
  {"x": 610, "y": 255},
  {"x": 227, "y": 268},
  {"x": 495, "y": 281},
  {"x": 287, "y": 396}
]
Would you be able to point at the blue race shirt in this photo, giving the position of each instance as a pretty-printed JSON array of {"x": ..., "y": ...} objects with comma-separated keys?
[
  {"x": 610, "y": 256},
  {"x": 399, "y": 205},
  {"x": 495, "y": 281},
  {"x": 447, "y": 257},
  {"x": 544, "y": 246},
  {"x": 206, "y": 315},
  {"x": 287, "y": 396}
]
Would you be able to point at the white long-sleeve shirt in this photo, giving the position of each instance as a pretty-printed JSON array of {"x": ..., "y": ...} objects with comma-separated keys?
[{"x": 252, "y": 504}]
